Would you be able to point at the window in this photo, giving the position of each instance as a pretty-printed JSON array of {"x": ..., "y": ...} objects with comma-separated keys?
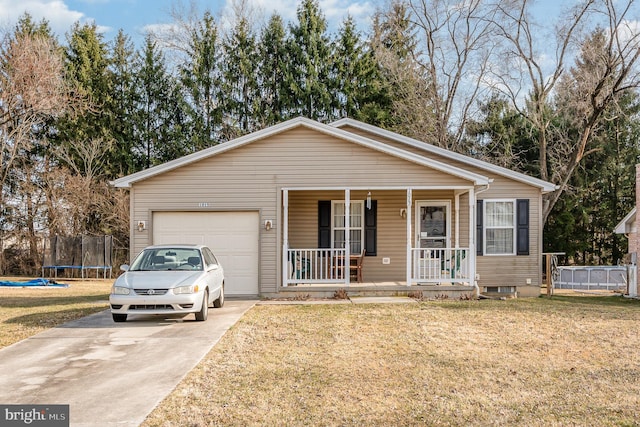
[
  {"x": 356, "y": 225},
  {"x": 209, "y": 258},
  {"x": 499, "y": 227}
]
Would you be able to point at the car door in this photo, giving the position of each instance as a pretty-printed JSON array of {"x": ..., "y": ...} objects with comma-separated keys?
[{"x": 214, "y": 271}]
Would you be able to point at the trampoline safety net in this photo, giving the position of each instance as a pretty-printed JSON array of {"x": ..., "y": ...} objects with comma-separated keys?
[{"x": 78, "y": 253}]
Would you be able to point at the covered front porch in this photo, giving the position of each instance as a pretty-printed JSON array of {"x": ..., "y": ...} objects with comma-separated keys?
[{"x": 399, "y": 239}]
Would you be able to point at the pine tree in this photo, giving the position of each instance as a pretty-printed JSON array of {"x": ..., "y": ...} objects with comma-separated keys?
[
  {"x": 360, "y": 83},
  {"x": 274, "y": 70},
  {"x": 200, "y": 77},
  {"x": 88, "y": 68},
  {"x": 240, "y": 93},
  {"x": 122, "y": 159},
  {"x": 158, "y": 123},
  {"x": 310, "y": 82},
  {"x": 402, "y": 86}
]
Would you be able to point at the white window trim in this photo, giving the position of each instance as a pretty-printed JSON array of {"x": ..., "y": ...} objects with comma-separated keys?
[
  {"x": 351, "y": 227},
  {"x": 513, "y": 227}
]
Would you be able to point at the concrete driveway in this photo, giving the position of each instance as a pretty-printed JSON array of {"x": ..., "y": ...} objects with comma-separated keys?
[{"x": 110, "y": 373}]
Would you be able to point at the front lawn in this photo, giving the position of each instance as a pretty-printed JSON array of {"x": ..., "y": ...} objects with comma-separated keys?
[
  {"x": 560, "y": 361},
  {"x": 26, "y": 311}
]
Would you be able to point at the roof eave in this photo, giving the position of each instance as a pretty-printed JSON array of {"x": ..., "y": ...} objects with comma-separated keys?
[
  {"x": 625, "y": 225},
  {"x": 545, "y": 186}
]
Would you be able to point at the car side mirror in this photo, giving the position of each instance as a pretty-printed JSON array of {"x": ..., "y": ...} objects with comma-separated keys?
[{"x": 124, "y": 267}]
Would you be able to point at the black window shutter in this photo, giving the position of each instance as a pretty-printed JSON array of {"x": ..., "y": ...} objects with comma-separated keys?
[
  {"x": 371, "y": 229},
  {"x": 324, "y": 223},
  {"x": 522, "y": 215},
  {"x": 479, "y": 228}
]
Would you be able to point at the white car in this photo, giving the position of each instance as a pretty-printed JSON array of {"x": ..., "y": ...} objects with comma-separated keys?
[{"x": 169, "y": 279}]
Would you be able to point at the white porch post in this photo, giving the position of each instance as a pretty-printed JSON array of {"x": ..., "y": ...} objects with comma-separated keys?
[
  {"x": 409, "y": 237},
  {"x": 472, "y": 235},
  {"x": 456, "y": 210},
  {"x": 347, "y": 236},
  {"x": 285, "y": 237}
]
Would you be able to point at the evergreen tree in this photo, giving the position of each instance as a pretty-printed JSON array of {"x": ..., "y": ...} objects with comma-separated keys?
[
  {"x": 402, "y": 85},
  {"x": 503, "y": 137},
  {"x": 88, "y": 68},
  {"x": 601, "y": 192},
  {"x": 274, "y": 71},
  {"x": 200, "y": 77},
  {"x": 360, "y": 84},
  {"x": 158, "y": 126},
  {"x": 239, "y": 80},
  {"x": 310, "y": 85},
  {"x": 122, "y": 159}
]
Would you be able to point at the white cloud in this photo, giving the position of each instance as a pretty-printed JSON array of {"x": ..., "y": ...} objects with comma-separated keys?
[
  {"x": 335, "y": 11},
  {"x": 56, "y": 12}
]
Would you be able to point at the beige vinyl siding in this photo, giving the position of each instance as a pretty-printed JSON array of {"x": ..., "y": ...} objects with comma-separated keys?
[
  {"x": 391, "y": 227},
  {"x": 494, "y": 270},
  {"x": 513, "y": 270},
  {"x": 250, "y": 178}
]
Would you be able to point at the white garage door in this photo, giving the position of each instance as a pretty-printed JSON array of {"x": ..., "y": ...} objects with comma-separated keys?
[{"x": 233, "y": 237}]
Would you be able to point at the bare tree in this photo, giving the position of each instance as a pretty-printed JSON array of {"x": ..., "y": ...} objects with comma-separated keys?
[
  {"x": 455, "y": 42},
  {"x": 526, "y": 67},
  {"x": 32, "y": 91}
]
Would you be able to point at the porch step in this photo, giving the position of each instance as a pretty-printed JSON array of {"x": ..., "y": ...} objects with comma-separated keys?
[{"x": 420, "y": 292}]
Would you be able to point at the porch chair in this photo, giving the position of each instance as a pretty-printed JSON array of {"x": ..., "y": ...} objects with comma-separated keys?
[
  {"x": 355, "y": 269},
  {"x": 453, "y": 266}
]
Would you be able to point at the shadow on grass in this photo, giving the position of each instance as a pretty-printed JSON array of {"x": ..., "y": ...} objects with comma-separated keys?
[
  {"x": 541, "y": 303},
  {"x": 51, "y": 319},
  {"x": 614, "y": 300}
]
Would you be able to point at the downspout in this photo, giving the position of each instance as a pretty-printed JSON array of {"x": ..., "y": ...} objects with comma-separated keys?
[{"x": 475, "y": 282}]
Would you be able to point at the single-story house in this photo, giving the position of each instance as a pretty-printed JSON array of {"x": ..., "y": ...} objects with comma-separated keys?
[{"x": 284, "y": 207}]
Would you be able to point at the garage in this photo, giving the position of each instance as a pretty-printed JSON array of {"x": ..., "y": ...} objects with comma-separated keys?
[{"x": 233, "y": 237}]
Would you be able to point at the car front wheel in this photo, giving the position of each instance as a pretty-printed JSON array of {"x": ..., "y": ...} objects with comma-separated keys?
[
  {"x": 219, "y": 302},
  {"x": 201, "y": 316},
  {"x": 119, "y": 317}
]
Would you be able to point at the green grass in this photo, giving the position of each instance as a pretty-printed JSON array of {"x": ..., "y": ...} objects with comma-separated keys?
[{"x": 559, "y": 361}]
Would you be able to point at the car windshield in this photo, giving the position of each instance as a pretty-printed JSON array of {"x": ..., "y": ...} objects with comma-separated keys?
[{"x": 167, "y": 259}]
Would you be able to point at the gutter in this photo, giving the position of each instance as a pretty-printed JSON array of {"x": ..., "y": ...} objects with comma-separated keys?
[{"x": 475, "y": 281}]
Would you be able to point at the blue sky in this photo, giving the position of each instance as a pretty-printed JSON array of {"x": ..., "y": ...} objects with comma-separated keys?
[{"x": 136, "y": 16}]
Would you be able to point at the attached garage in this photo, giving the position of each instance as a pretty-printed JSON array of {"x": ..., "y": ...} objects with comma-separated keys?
[{"x": 233, "y": 237}]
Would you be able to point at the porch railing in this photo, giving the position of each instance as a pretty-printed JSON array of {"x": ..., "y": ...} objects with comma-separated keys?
[
  {"x": 440, "y": 265},
  {"x": 313, "y": 266}
]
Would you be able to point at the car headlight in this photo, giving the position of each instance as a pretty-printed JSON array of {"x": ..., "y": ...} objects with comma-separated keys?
[
  {"x": 120, "y": 290},
  {"x": 189, "y": 289}
]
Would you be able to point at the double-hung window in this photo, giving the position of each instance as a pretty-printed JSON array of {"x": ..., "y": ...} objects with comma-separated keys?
[
  {"x": 499, "y": 227},
  {"x": 356, "y": 225}
]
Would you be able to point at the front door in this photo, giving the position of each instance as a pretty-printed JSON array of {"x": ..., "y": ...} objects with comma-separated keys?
[{"x": 432, "y": 224}]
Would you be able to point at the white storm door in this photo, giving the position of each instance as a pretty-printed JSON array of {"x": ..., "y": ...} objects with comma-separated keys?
[{"x": 433, "y": 224}]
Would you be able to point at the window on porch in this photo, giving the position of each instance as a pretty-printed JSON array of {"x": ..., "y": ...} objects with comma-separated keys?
[{"x": 356, "y": 226}]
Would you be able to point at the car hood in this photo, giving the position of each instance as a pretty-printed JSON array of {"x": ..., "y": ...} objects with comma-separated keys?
[{"x": 158, "y": 279}]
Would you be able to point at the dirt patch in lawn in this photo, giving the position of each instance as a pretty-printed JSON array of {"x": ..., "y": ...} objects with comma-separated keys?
[{"x": 560, "y": 361}]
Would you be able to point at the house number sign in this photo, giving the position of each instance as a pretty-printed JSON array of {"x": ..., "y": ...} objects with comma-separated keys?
[{"x": 203, "y": 205}]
